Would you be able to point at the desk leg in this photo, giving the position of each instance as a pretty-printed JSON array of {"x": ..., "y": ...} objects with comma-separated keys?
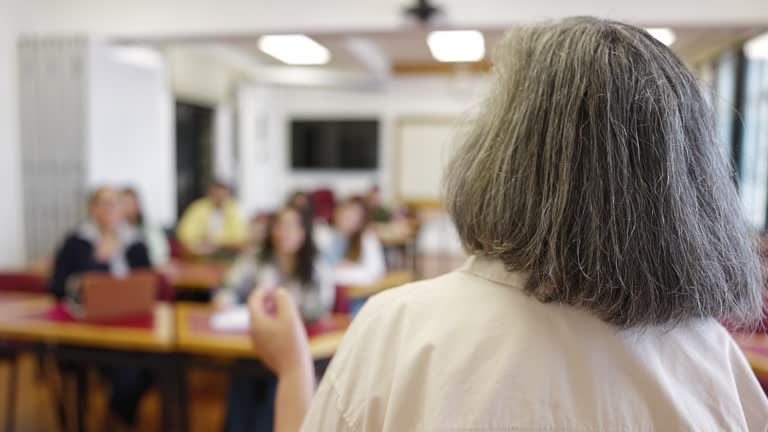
[
  {"x": 81, "y": 387},
  {"x": 172, "y": 379},
  {"x": 56, "y": 380},
  {"x": 12, "y": 384},
  {"x": 183, "y": 396}
]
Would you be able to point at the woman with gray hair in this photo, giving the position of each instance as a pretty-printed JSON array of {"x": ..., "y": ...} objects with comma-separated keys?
[{"x": 608, "y": 241}]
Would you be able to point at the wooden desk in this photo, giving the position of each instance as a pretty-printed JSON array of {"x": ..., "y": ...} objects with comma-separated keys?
[
  {"x": 81, "y": 344},
  {"x": 399, "y": 236},
  {"x": 194, "y": 336},
  {"x": 396, "y": 232},
  {"x": 29, "y": 320},
  {"x": 10, "y": 298},
  {"x": 390, "y": 280},
  {"x": 197, "y": 276},
  {"x": 755, "y": 348}
]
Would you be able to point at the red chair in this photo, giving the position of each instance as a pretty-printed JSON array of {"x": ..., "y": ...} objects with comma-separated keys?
[
  {"x": 342, "y": 303},
  {"x": 165, "y": 289},
  {"x": 323, "y": 203},
  {"x": 175, "y": 246},
  {"x": 23, "y": 282}
]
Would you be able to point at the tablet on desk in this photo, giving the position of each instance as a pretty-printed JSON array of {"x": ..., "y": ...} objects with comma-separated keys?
[{"x": 105, "y": 297}]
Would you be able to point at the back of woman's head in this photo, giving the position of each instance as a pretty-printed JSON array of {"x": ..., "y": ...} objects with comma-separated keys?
[{"x": 595, "y": 167}]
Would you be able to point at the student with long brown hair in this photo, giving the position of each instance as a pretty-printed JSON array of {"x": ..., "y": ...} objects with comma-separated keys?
[{"x": 288, "y": 260}]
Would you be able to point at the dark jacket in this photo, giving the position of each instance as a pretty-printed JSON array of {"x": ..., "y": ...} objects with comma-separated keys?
[{"x": 76, "y": 255}]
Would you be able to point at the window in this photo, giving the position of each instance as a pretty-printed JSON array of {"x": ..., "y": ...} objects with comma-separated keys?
[
  {"x": 335, "y": 144},
  {"x": 754, "y": 144}
]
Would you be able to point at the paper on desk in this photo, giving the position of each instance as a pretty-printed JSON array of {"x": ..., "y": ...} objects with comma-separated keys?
[{"x": 234, "y": 318}]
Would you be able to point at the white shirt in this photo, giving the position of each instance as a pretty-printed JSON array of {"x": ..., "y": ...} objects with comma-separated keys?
[
  {"x": 369, "y": 268},
  {"x": 469, "y": 351}
]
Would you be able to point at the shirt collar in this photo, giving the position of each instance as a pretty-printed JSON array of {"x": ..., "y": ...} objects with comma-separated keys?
[
  {"x": 493, "y": 269},
  {"x": 89, "y": 231}
]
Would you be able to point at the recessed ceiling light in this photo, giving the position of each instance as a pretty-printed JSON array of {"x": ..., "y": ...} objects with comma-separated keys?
[
  {"x": 295, "y": 49},
  {"x": 663, "y": 35},
  {"x": 457, "y": 45},
  {"x": 136, "y": 55},
  {"x": 757, "y": 47}
]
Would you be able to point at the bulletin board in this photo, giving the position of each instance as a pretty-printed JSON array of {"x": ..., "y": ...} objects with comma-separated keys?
[{"x": 424, "y": 146}]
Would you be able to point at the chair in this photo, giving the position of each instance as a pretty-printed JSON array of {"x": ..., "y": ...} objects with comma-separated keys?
[
  {"x": 342, "y": 303},
  {"x": 165, "y": 289},
  {"x": 23, "y": 282},
  {"x": 175, "y": 246},
  {"x": 323, "y": 203}
]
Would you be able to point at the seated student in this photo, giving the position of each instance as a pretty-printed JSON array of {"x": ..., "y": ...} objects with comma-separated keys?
[
  {"x": 105, "y": 243},
  {"x": 213, "y": 223},
  {"x": 102, "y": 243},
  {"x": 154, "y": 237},
  {"x": 289, "y": 260},
  {"x": 300, "y": 200},
  {"x": 258, "y": 231},
  {"x": 354, "y": 250},
  {"x": 379, "y": 213},
  {"x": 608, "y": 241}
]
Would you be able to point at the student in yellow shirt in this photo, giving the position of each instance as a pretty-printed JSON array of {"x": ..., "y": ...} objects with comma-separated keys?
[{"x": 212, "y": 223}]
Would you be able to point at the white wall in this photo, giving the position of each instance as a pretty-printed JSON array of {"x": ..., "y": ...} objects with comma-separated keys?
[
  {"x": 196, "y": 76},
  {"x": 130, "y": 126},
  {"x": 265, "y": 175},
  {"x": 11, "y": 225}
]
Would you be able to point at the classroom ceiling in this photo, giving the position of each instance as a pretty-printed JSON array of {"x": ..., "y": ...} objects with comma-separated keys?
[
  {"x": 213, "y": 65},
  {"x": 407, "y": 50},
  {"x": 398, "y": 48}
]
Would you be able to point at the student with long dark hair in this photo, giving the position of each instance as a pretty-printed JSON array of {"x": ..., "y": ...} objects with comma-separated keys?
[
  {"x": 608, "y": 240},
  {"x": 288, "y": 260}
]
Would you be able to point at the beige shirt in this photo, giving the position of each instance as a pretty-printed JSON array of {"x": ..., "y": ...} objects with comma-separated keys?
[{"x": 469, "y": 351}]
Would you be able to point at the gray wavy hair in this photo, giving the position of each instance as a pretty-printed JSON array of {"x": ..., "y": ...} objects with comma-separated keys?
[{"x": 594, "y": 165}]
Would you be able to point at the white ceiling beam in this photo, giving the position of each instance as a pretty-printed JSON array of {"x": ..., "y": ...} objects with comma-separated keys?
[
  {"x": 370, "y": 55},
  {"x": 306, "y": 76}
]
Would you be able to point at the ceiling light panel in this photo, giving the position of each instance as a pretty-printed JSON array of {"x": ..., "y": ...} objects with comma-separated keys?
[
  {"x": 294, "y": 49},
  {"x": 663, "y": 35},
  {"x": 457, "y": 45},
  {"x": 757, "y": 47}
]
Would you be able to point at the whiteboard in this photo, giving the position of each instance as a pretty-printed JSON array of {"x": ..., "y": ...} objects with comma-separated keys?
[{"x": 424, "y": 149}]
